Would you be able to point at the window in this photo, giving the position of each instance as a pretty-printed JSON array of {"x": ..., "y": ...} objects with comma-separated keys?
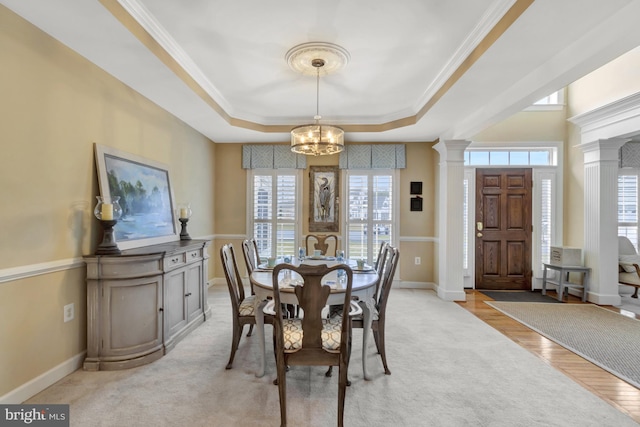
[
  {"x": 370, "y": 211},
  {"x": 512, "y": 157},
  {"x": 274, "y": 201},
  {"x": 628, "y": 206},
  {"x": 465, "y": 222},
  {"x": 544, "y": 195},
  {"x": 554, "y": 101}
]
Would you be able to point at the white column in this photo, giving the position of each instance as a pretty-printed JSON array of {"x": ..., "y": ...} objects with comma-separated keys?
[
  {"x": 601, "y": 218},
  {"x": 450, "y": 284}
]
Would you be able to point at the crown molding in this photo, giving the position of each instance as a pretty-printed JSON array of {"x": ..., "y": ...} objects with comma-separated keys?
[{"x": 620, "y": 118}]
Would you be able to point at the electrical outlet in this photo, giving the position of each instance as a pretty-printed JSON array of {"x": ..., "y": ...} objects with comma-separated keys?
[
  {"x": 69, "y": 312},
  {"x": 418, "y": 260}
]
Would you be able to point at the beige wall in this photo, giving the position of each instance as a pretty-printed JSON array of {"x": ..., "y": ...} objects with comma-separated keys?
[
  {"x": 526, "y": 126},
  {"x": 613, "y": 81},
  {"x": 54, "y": 106}
]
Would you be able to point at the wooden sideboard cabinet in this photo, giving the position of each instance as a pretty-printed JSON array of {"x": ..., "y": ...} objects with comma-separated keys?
[{"x": 141, "y": 303}]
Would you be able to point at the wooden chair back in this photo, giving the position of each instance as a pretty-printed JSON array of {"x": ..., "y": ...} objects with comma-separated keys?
[
  {"x": 232, "y": 274},
  {"x": 250, "y": 252},
  {"x": 251, "y": 257},
  {"x": 242, "y": 307},
  {"x": 312, "y": 297},
  {"x": 326, "y": 243},
  {"x": 380, "y": 263},
  {"x": 386, "y": 281}
]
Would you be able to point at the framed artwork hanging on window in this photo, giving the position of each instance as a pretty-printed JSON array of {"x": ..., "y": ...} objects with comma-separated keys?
[{"x": 323, "y": 198}]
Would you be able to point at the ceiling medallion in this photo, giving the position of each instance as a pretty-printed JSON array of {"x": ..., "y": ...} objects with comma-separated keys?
[
  {"x": 315, "y": 59},
  {"x": 300, "y": 57}
]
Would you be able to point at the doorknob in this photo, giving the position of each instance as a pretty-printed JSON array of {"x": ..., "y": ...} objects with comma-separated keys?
[
  {"x": 479, "y": 234},
  {"x": 479, "y": 226}
]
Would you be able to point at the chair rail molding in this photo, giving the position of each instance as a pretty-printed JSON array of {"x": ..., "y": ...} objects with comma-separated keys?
[{"x": 24, "y": 271}]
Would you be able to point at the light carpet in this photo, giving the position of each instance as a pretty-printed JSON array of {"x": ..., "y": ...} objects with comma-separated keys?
[
  {"x": 608, "y": 339},
  {"x": 448, "y": 368}
]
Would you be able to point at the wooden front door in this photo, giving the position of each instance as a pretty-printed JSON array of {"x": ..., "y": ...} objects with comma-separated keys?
[{"x": 503, "y": 229}]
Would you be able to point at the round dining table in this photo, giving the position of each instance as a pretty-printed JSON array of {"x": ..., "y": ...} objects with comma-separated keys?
[{"x": 363, "y": 287}]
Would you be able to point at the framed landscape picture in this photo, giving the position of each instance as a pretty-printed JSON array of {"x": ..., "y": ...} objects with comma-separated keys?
[
  {"x": 323, "y": 198},
  {"x": 146, "y": 197}
]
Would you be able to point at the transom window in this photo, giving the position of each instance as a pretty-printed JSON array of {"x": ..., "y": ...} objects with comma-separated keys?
[
  {"x": 553, "y": 99},
  {"x": 537, "y": 157}
]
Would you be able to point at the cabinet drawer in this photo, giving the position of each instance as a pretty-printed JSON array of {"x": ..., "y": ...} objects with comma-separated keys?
[
  {"x": 194, "y": 256},
  {"x": 124, "y": 267},
  {"x": 174, "y": 261}
]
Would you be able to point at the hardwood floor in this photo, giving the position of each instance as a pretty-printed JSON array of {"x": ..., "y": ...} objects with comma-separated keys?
[{"x": 610, "y": 388}]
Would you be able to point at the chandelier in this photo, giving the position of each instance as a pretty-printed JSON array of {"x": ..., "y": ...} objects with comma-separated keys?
[{"x": 317, "y": 139}]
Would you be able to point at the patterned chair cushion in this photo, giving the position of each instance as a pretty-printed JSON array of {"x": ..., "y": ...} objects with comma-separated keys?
[
  {"x": 369, "y": 303},
  {"x": 247, "y": 306},
  {"x": 331, "y": 332}
]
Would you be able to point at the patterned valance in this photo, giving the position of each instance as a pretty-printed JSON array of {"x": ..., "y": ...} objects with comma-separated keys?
[
  {"x": 630, "y": 155},
  {"x": 267, "y": 156},
  {"x": 375, "y": 156}
]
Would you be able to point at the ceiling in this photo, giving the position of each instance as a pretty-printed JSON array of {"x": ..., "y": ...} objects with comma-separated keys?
[{"x": 418, "y": 70}]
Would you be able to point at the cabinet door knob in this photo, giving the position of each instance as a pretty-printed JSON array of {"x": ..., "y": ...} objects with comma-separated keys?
[
  {"x": 188, "y": 295},
  {"x": 161, "y": 309}
]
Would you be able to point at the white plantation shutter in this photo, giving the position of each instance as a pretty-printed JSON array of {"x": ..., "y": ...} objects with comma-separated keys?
[
  {"x": 263, "y": 213},
  {"x": 286, "y": 215},
  {"x": 628, "y": 207},
  {"x": 546, "y": 219},
  {"x": 465, "y": 224},
  {"x": 370, "y": 216},
  {"x": 276, "y": 204}
]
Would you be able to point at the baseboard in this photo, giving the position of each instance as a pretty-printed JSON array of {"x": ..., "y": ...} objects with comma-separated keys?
[
  {"x": 404, "y": 284},
  {"x": 218, "y": 281},
  {"x": 41, "y": 382},
  {"x": 447, "y": 295}
]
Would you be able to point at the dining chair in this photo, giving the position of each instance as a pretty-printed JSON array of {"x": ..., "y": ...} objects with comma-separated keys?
[
  {"x": 377, "y": 305},
  {"x": 326, "y": 243},
  {"x": 251, "y": 257},
  {"x": 243, "y": 307},
  {"x": 250, "y": 252},
  {"x": 379, "y": 263},
  {"x": 312, "y": 340}
]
